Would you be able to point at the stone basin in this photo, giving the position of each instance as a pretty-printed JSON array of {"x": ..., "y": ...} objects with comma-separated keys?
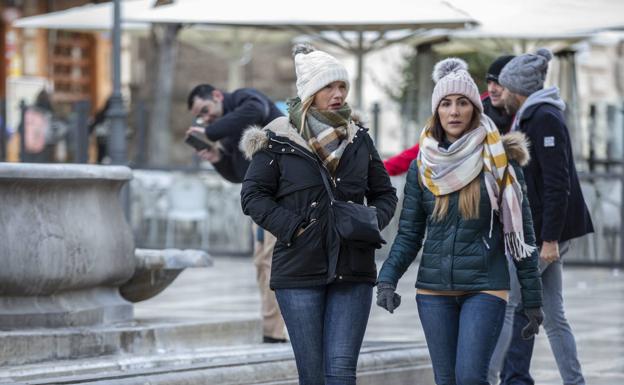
[{"x": 66, "y": 245}]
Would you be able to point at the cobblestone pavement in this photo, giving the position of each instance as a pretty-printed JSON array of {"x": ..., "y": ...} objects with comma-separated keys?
[{"x": 594, "y": 303}]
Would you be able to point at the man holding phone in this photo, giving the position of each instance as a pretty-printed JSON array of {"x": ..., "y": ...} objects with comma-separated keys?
[{"x": 222, "y": 117}]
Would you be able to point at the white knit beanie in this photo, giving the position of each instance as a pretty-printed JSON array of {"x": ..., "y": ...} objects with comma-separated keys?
[
  {"x": 316, "y": 69},
  {"x": 452, "y": 78}
]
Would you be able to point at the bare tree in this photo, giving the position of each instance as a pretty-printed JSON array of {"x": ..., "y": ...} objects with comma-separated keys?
[{"x": 165, "y": 45}]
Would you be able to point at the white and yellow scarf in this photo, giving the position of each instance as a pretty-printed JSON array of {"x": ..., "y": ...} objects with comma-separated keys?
[{"x": 444, "y": 171}]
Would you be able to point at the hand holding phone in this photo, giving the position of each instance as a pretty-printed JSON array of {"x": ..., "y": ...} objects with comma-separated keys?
[{"x": 194, "y": 140}]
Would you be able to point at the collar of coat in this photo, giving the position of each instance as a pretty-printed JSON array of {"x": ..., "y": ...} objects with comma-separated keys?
[{"x": 256, "y": 138}]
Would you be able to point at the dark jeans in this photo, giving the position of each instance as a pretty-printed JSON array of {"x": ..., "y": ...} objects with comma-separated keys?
[
  {"x": 461, "y": 333},
  {"x": 517, "y": 363},
  {"x": 326, "y": 325}
]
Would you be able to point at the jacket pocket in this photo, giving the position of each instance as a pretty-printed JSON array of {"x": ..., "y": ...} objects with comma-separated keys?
[
  {"x": 305, "y": 256},
  {"x": 362, "y": 258},
  {"x": 309, "y": 227}
]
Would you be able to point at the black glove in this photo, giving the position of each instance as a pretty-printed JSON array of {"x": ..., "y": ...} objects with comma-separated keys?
[
  {"x": 386, "y": 297},
  {"x": 536, "y": 317}
]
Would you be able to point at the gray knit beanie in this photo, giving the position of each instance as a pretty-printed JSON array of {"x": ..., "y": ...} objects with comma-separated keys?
[
  {"x": 452, "y": 78},
  {"x": 526, "y": 73},
  {"x": 316, "y": 69}
]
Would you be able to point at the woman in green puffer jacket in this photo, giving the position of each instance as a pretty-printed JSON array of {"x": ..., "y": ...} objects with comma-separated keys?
[{"x": 465, "y": 192}]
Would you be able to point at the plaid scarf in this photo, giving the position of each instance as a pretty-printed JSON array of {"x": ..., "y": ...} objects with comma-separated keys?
[
  {"x": 324, "y": 131},
  {"x": 444, "y": 171}
]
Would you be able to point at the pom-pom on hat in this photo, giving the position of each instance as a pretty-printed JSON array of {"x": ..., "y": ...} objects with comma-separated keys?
[
  {"x": 452, "y": 78},
  {"x": 526, "y": 73},
  {"x": 316, "y": 69}
]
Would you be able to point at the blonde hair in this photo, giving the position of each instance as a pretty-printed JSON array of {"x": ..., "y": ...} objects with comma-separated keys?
[{"x": 469, "y": 197}]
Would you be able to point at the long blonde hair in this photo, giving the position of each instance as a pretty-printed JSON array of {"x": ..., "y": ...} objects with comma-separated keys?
[{"x": 469, "y": 195}]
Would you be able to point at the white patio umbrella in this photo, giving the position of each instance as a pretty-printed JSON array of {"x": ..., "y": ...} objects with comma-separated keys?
[
  {"x": 87, "y": 17},
  {"x": 540, "y": 19},
  {"x": 320, "y": 15},
  {"x": 350, "y": 22}
]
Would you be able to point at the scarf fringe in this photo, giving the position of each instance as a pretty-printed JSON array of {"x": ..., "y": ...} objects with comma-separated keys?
[{"x": 516, "y": 247}]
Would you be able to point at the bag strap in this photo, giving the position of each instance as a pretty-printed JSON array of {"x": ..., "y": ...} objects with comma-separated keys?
[{"x": 326, "y": 183}]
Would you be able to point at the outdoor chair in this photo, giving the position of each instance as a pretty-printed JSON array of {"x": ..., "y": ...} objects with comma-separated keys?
[{"x": 187, "y": 202}]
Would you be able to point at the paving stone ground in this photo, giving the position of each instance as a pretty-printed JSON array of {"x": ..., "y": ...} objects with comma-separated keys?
[{"x": 594, "y": 302}]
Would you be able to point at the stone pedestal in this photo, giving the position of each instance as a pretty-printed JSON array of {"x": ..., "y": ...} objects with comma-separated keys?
[{"x": 66, "y": 246}]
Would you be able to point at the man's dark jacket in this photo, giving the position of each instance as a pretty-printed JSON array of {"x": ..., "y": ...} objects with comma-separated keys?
[
  {"x": 283, "y": 191},
  {"x": 557, "y": 204},
  {"x": 242, "y": 108}
]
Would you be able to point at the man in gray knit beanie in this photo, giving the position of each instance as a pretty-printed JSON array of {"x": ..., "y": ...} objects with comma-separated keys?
[
  {"x": 559, "y": 214},
  {"x": 525, "y": 74}
]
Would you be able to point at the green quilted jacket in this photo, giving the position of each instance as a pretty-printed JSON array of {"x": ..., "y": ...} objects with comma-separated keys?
[{"x": 459, "y": 254}]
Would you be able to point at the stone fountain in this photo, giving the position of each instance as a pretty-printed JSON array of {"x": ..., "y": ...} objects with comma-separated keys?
[
  {"x": 69, "y": 275},
  {"x": 67, "y": 247},
  {"x": 70, "y": 272}
]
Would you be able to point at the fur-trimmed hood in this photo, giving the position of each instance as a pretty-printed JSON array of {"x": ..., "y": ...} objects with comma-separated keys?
[
  {"x": 255, "y": 138},
  {"x": 517, "y": 147}
]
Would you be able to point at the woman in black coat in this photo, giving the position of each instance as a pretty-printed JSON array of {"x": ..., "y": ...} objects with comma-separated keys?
[{"x": 323, "y": 283}]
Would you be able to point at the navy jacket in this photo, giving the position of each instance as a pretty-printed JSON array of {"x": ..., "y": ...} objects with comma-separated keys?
[
  {"x": 242, "y": 108},
  {"x": 557, "y": 204}
]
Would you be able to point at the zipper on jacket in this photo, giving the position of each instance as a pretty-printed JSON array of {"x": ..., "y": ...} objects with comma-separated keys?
[{"x": 487, "y": 246}]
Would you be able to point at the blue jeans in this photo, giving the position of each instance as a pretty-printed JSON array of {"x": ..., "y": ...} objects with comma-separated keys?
[
  {"x": 461, "y": 333},
  {"x": 326, "y": 325},
  {"x": 517, "y": 361}
]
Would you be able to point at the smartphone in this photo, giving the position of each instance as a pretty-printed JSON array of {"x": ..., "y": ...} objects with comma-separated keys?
[{"x": 197, "y": 142}]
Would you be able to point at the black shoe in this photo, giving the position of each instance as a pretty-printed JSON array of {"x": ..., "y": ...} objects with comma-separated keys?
[{"x": 271, "y": 340}]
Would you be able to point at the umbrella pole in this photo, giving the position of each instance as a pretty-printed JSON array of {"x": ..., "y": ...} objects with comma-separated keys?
[
  {"x": 360, "y": 71},
  {"x": 116, "y": 113}
]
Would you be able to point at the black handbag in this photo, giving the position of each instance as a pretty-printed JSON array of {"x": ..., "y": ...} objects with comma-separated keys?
[{"x": 354, "y": 222}]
